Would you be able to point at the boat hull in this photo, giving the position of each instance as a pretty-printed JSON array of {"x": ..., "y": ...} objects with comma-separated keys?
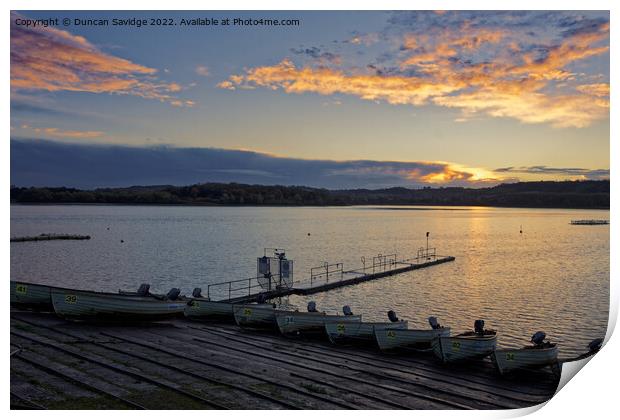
[
  {"x": 31, "y": 296},
  {"x": 457, "y": 348},
  {"x": 255, "y": 316},
  {"x": 204, "y": 309},
  {"x": 508, "y": 360},
  {"x": 110, "y": 307},
  {"x": 340, "y": 332},
  {"x": 392, "y": 340},
  {"x": 290, "y": 322}
]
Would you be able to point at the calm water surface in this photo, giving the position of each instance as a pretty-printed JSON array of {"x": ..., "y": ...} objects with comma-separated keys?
[{"x": 552, "y": 277}]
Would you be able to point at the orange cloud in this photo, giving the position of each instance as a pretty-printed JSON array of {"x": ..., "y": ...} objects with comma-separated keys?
[
  {"x": 58, "y": 133},
  {"x": 530, "y": 107},
  {"x": 392, "y": 89},
  {"x": 514, "y": 84},
  {"x": 54, "y": 60},
  {"x": 595, "y": 89},
  {"x": 576, "y": 47}
]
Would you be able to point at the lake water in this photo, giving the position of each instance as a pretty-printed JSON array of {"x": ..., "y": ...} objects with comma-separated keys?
[{"x": 552, "y": 277}]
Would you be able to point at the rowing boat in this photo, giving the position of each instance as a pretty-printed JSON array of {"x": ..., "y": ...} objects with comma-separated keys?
[
  {"x": 295, "y": 322},
  {"x": 342, "y": 331},
  {"x": 508, "y": 360},
  {"x": 395, "y": 339},
  {"x": 255, "y": 315},
  {"x": 203, "y": 308},
  {"x": 31, "y": 296},
  {"x": 539, "y": 354},
  {"x": 349, "y": 330},
  {"x": 199, "y": 307},
  {"x": 469, "y": 345},
  {"x": 102, "y": 306}
]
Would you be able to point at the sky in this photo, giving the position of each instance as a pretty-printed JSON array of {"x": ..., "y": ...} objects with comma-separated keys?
[{"x": 339, "y": 100}]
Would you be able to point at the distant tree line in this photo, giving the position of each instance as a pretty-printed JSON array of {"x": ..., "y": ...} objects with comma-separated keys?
[{"x": 564, "y": 194}]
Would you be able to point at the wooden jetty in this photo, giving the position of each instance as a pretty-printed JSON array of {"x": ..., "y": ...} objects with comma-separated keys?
[
  {"x": 50, "y": 237},
  {"x": 182, "y": 364},
  {"x": 305, "y": 289}
]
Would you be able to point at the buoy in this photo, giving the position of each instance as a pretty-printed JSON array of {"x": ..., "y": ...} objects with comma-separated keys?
[
  {"x": 308, "y": 233},
  {"x": 122, "y": 241}
]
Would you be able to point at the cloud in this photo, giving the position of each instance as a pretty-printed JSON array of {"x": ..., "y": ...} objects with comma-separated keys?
[
  {"x": 529, "y": 106},
  {"x": 393, "y": 89},
  {"x": 319, "y": 56},
  {"x": 44, "y": 162},
  {"x": 595, "y": 89},
  {"x": 483, "y": 63},
  {"x": 572, "y": 173},
  {"x": 58, "y": 133},
  {"x": 52, "y": 60},
  {"x": 363, "y": 39},
  {"x": 202, "y": 71}
]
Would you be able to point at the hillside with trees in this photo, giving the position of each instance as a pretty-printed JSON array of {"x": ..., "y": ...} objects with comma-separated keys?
[{"x": 547, "y": 194}]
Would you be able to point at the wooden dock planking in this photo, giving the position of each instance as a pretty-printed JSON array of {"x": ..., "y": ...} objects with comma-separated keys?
[
  {"x": 400, "y": 376},
  {"x": 178, "y": 361},
  {"x": 169, "y": 371},
  {"x": 129, "y": 371},
  {"x": 484, "y": 373},
  {"x": 238, "y": 366},
  {"x": 183, "y": 364},
  {"x": 263, "y": 365},
  {"x": 389, "y": 377}
]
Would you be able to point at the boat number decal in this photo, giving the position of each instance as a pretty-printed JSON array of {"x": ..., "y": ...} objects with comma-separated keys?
[
  {"x": 247, "y": 312},
  {"x": 22, "y": 289},
  {"x": 288, "y": 319},
  {"x": 456, "y": 346},
  {"x": 391, "y": 334},
  {"x": 70, "y": 299},
  {"x": 510, "y": 356},
  {"x": 195, "y": 304},
  {"x": 340, "y": 328}
]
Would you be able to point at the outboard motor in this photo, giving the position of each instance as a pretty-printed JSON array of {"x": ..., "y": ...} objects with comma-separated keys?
[
  {"x": 538, "y": 338},
  {"x": 173, "y": 294},
  {"x": 143, "y": 290},
  {"x": 392, "y": 316},
  {"x": 433, "y": 322},
  {"x": 346, "y": 309},
  {"x": 479, "y": 326},
  {"x": 595, "y": 345},
  {"x": 197, "y": 293},
  {"x": 312, "y": 306}
]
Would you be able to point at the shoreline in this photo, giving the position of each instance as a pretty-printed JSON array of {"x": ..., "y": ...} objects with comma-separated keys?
[{"x": 395, "y": 207}]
